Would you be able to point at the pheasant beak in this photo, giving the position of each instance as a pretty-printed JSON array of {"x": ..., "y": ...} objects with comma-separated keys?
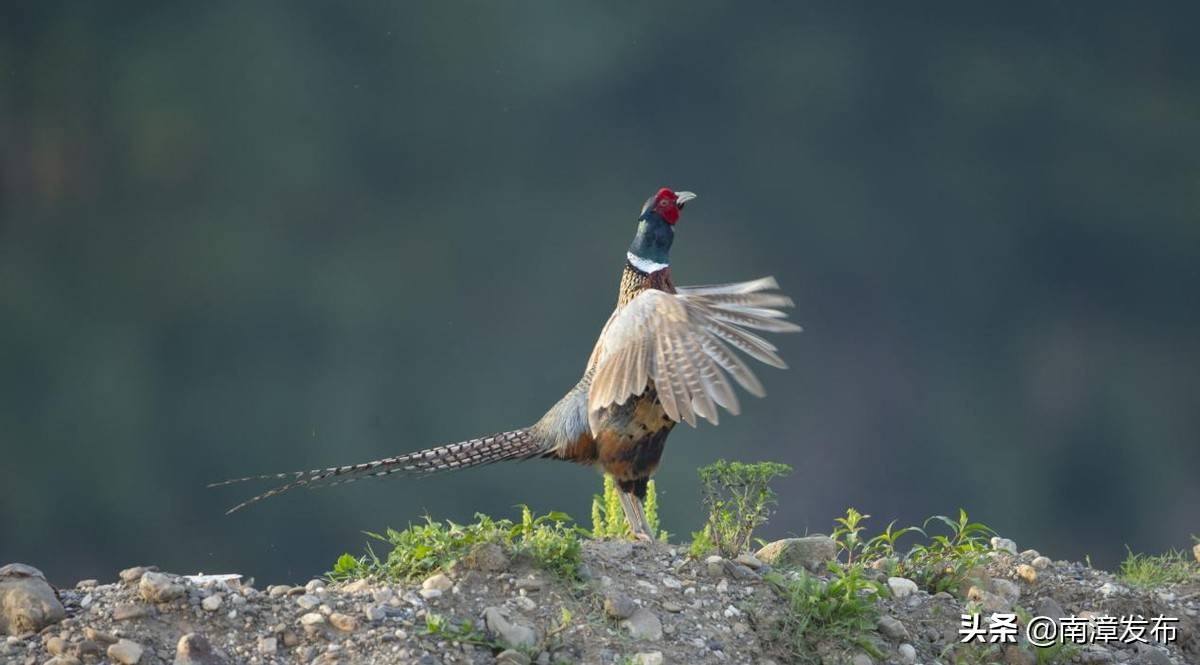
[{"x": 682, "y": 198}]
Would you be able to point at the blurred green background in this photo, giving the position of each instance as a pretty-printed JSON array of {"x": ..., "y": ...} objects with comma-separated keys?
[{"x": 248, "y": 237}]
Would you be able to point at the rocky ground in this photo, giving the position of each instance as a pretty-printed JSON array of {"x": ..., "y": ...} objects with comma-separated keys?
[{"x": 640, "y": 603}]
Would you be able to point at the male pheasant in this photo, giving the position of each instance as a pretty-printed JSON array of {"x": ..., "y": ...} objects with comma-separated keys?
[{"x": 662, "y": 358}]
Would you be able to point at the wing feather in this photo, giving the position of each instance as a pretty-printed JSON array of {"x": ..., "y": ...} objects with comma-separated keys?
[{"x": 678, "y": 342}]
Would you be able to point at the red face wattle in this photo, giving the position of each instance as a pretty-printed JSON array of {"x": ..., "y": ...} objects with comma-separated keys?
[{"x": 666, "y": 205}]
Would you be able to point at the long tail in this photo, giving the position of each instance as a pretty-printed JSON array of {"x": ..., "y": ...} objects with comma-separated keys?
[{"x": 517, "y": 444}]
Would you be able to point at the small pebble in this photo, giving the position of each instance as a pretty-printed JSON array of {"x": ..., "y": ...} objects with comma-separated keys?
[
  {"x": 1027, "y": 573},
  {"x": 125, "y": 652}
]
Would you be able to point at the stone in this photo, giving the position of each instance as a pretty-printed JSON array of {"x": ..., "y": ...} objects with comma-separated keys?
[
  {"x": 1027, "y": 573},
  {"x": 212, "y": 603},
  {"x": 438, "y": 581},
  {"x": 512, "y": 657},
  {"x": 357, "y": 587},
  {"x": 861, "y": 658},
  {"x": 131, "y": 575},
  {"x": 313, "y": 622},
  {"x": 1196, "y": 551},
  {"x": 55, "y": 645},
  {"x": 525, "y": 603},
  {"x": 1048, "y": 607},
  {"x": 644, "y": 625},
  {"x": 648, "y": 658},
  {"x": 810, "y": 552},
  {"x": 268, "y": 646},
  {"x": 908, "y": 654},
  {"x": 1041, "y": 562},
  {"x": 1149, "y": 655},
  {"x": 1015, "y": 655},
  {"x": 512, "y": 632},
  {"x": 749, "y": 560},
  {"x": 125, "y": 652},
  {"x": 1096, "y": 655},
  {"x": 307, "y": 601},
  {"x": 130, "y": 611},
  {"x": 672, "y": 607},
  {"x": 901, "y": 587},
  {"x": 195, "y": 649},
  {"x": 159, "y": 587},
  {"x": 715, "y": 565},
  {"x": 1004, "y": 545},
  {"x": 343, "y": 622},
  {"x": 99, "y": 636},
  {"x": 374, "y": 613},
  {"x": 63, "y": 660},
  {"x": 671, "y": 583},
  {"x": 1006, "y": 588},
  {"x": 739, "y": 572},
  {"x": 530, "y": 583},
  {"x": 988, "y": 601},
  {"x": 619, "y": 606},
  {"x": 430, "y": 594},
  {"x": 27, "y": 601},
  {"x": 1109, "y": 589},
  {"x": 892, "y": 628}
]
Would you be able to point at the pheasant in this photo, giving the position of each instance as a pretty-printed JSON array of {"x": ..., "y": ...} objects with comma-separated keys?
[{"x": 662, "y": 358}]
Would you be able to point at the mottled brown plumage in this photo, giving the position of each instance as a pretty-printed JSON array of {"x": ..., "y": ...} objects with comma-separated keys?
[{"x": 663, "y": 357}]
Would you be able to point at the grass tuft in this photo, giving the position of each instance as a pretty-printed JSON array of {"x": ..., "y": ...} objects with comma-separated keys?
[
  {"x": 1171, "y": 567},
  {"x": 838, "y": 612},
  {"x": 552, "y": 541},
  {"x": 942, "y": 562},
  {"x": 608, "y": 518}
]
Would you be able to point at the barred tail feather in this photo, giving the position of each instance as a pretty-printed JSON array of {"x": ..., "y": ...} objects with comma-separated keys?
[{"x": 517, "y": 444}]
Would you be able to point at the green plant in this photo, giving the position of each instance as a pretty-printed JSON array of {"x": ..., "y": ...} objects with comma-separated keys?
[
  {"x": 701, "y": 545},
  {"x": 838, "y": 611},
  {"x": 879, "y": 550},
  {"x": 739, "y": 499},
  {"x": 462, "y": 631},
  {"x": 551, "y": 541},
  {"x": 946, "y": 561},
  {"x": 608, "y": 518},
  {"x": 1170, "y": 567}
]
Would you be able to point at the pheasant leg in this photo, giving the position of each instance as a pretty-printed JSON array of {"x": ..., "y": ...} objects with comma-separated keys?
[{"x": 639, "y": 526}]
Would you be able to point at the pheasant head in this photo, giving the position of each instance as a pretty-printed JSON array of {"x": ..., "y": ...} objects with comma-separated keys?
[{"x": 651, "y": 247}]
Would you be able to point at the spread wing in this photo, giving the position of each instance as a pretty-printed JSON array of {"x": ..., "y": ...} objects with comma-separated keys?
[{"x": 682, "y": 342}]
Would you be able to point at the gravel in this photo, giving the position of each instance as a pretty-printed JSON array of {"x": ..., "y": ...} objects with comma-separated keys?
[{"x": 642, "y": 602}]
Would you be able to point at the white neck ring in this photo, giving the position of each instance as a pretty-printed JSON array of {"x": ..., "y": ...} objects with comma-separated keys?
[{"x": 645, "y": 265}]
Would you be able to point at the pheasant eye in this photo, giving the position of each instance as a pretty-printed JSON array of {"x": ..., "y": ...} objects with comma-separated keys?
[{"x": 662, "y": 203}]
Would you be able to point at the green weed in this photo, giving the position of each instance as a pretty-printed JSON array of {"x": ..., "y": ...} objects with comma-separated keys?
[
  {"x": 461, "y": 631},
  {"x": 941, "y": 562},
  {"x": 1171, "y": 567},
  {"x": 840, "y": 611},
  {"x": 608, "y": 518},
  {"x": 551, "y": 541},
  {"x": 946, "y": 561},
  {"x": 739, "y": 498}
]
